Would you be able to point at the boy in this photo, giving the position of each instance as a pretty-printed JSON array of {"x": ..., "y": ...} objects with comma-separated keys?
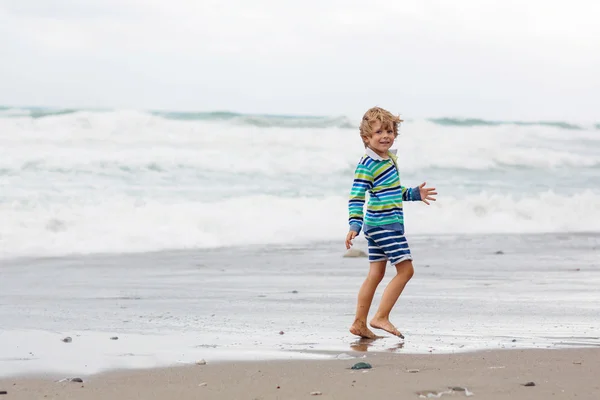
[{"x": 377, "y": 173}]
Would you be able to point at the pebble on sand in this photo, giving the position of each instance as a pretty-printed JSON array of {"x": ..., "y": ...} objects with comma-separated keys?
[
  {"x": 67, "y": 339},
  {"x": 201, "y": 362},
  {"x": 355, "y": 253},
  {"x": 114, "y": 338},
  {"x": 3, "y": 392},
  {"x": 529, "y": 384},
  {"x": 362, "y": 365},
  {"x": 315, "y": 393}
]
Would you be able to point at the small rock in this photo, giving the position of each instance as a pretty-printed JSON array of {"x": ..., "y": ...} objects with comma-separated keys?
[
  {"x": 355, "y": 253},
  {"x": 514, "y": 340},
  {"x": 201, "y": 362},
  {"x": 3, "y": 392},
  {"x": 362, "y": 365},
  {"x": 457, "y": 388},
  {"x": 67, "y": 339},
  {"x": 114, "y": 338},
  {"x": 499, "y": 252},
  {"x": 203, "y": 384},
  {"x": 413, "y": 371},
  {"x": 281, "y": 332},
  {"x": 79, "y": 380},
  {"x": 294, "y": 291},
  {"x": 529, "y": 384},
  {"x": 315, "y": 393},
  {"x": 278, "y": 387}
]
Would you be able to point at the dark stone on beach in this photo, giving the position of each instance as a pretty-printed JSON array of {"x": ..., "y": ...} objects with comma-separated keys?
[
  {"x": 294, "y": 291},
  {"x": 499, "y": 252},
  {"x": 514, "y": 340},
  {"x": 114, "y": 338},
  {"x": 457, "y": 388},
  {"x": 529, "y": 384},
  {"x": 3, "y": 392},
  {"x": 362, "y": 365},
  {"x": 79, "y": 380},
  {"x": 281, "y": 332},
  {"x": 67, "y": 340}
]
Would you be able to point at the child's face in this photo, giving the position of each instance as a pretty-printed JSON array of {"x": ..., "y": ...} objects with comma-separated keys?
[{"x": 382, "y": 138}]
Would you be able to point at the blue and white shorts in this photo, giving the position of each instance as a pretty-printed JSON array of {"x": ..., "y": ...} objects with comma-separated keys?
[{"x": 387, "y": 245}]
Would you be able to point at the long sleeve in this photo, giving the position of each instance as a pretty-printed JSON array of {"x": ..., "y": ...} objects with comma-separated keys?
[
  {"x": 363, "y": 181},
  {"x": 411, "y": 194}
]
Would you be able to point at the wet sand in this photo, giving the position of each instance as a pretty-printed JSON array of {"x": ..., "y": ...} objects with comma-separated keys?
[{"x": 490, "y": 375}]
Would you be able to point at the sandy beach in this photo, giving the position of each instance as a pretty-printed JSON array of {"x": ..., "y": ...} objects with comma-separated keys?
[{"x": 490, "y": 375}]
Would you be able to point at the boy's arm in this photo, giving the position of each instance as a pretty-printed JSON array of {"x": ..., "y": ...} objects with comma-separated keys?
[
  {"x": 411, "y": 194},
  {"x": 363, "y": 181}
]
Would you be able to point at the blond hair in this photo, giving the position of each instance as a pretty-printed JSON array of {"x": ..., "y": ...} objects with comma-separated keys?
[{"x": 386, "y": 118}]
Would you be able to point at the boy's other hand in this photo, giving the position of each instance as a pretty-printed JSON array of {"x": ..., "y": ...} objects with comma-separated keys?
[
  {"x": 427, "y": 193},
  {"x": 349, "y": 237}
]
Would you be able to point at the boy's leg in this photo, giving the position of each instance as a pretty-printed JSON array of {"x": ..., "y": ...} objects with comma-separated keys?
[
  {"x": 365, "y": 297},
  {"x": 381, "y": 320}
]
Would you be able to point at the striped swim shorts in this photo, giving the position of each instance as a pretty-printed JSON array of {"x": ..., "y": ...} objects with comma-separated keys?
[{"x": 387, "y": 245}]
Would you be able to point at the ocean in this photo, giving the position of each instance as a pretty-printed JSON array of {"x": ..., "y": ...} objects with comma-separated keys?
[
  {"x": 79, "y": 182},
  {"x": 220, "y": 236}
]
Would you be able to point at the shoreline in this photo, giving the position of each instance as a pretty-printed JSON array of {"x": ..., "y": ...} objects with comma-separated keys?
[{"x": 487, "y": 374}]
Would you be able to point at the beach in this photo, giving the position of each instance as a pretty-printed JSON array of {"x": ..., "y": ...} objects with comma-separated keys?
[
  {"x": 131, "y": 250},
  {"x": 491, "y": 375},
  {"x": 180, "y": 180},
  {"x": 488, "y": 313}
]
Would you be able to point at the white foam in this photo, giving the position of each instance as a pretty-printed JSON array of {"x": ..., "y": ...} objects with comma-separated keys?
[
  {"x": 133, "y": 139},
  {"x": 124, "y": 225}
]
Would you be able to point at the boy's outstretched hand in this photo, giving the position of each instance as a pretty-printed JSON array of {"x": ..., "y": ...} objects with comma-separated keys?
[
  {"x": 427, "y": 193},
  {"x": 349, "y": 237}
]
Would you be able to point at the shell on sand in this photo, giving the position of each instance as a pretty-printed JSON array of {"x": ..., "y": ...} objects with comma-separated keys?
[{"x": 355, "y": 253}]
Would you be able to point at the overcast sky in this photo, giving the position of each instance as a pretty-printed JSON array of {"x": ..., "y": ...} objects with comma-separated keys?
[{"x": 504, "y": 59}]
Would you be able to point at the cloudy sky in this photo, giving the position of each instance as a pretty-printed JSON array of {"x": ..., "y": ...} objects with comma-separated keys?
[{"x": 499, "y": 59}]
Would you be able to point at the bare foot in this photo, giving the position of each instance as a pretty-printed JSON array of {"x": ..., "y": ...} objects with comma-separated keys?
[
  {"x": 386, "y": 325},
  {"x": 360, "y": 328}
]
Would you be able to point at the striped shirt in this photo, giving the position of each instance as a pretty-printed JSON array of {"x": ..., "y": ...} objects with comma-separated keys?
[{"x": 379, "y": 177}]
